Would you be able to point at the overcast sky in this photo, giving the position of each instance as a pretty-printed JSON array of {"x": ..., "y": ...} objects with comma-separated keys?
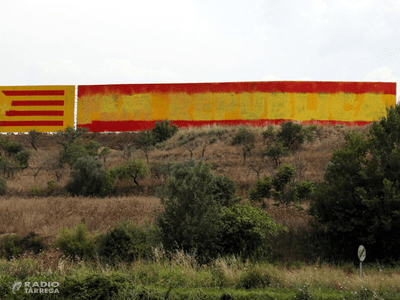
[{"x": 156, "y": 41}]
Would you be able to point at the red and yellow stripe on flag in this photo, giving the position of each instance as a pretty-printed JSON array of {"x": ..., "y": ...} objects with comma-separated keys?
[
  {"x": 40, "y": 108},
  {"x": 133, "y": 107}
]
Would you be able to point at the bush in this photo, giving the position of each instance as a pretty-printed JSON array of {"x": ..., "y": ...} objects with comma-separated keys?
[
  {"x": 96, "y": 286},
  {"x": 15, "y": 157},
  {"x": 246, "y": 229},
  {"x": 76, "y": 242},
  {"x": 201, "y": 215},
  {"x": 70, "y": 153},
  {"x": 244, "y": 136},
  {"x": 133, "y": 169},
  {"x": 291, "y": 135},
  {"x": 163, "y": 131},
  {"x": 12, "y": 246},
  {"x": 359, "y": 201},
  {"x": 190, "y": 220},
  {"x": 275, "y": 152},
  {"x": 3, "y": 186},
  {"x": 89, "y": 178},
  {"x": 126, "y": 242},
  {"x": 263, "y": 189}
]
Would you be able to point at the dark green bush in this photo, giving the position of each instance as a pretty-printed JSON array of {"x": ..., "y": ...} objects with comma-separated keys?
[
  {"x": 70, "y": 153},
  {"x": 190, "y": 219},
  {"x": 196, "y": 207},
  {"x": 359, "y": 201},
  {"x": 76, "y": 242},
  {"x": 163, "y": 131},
  {"x": 89, "y": 178},
  {"x": 244, "y": 136},
  {"x": 246, "y": 230},
  {"x": 95, "y": 286},
  {"x": 14, "y": 157},
  {"x": 126, "y": 242},
  {"x": 291, "y": 135},
  {"x": 14, "y": 245},
  {"x": 3, "y": 186},
  {"x": 274, "y": 187}
]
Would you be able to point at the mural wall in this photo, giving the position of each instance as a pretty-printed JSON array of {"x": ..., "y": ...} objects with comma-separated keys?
[
  {"x": 134, "y": 107},
  {"x": 40, "y": 108}
]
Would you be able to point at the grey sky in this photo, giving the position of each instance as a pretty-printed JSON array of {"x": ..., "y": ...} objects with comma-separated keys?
[{"x": 99, "y": 42}]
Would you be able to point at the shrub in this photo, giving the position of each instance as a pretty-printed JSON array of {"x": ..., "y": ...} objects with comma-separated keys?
[
  {"x": 254, "y": 278},
  {"x": 163, "y": 131},
  {"x": 291, "y": 135},
  {"x": 96, "y": 286},
  {"x": 35, "y": 190},
  {"x": 190, "y": 219},
  {"x": 69, "y": 135},
  {"x": 76, "y": 242},
  {"x": 274, "y": 186},
  {"x": 200, "y": 213},
  {"x": 269, "y": 134},
  {"x": 146, "y": 143},
  {"x": 12, "y": 246},
  {"x": 246, "y": 229},
  {"x": 70, "y": 153},
  {"x": 133, "y": 169},
  {"x": 89, "y": 178},
  {"x": 3, "y": 186},
  {"x": 126, "y": 242},
  {"x": 15, "y": 157},
  {"x": 359, "y": 201},
  {"x": 275, "y": 152},
  {"x": 244, "y": 136}
]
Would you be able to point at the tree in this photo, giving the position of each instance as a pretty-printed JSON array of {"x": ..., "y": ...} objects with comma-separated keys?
[
  {"x": 133, "y": 169},
  {"x": 202, "y": 215},
  {"x": 359, "y": 202},
  {"x": 89, "y": 178},
  {"x": 291, "y": 135}
]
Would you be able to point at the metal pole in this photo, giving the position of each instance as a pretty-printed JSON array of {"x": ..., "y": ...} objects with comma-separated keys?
[{"x": 360, "y": 269}]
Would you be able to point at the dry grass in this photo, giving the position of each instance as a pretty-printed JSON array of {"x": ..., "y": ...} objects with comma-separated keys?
[
  {"x": 45, "y": 215},
  {"x": 20, "y": 213}
]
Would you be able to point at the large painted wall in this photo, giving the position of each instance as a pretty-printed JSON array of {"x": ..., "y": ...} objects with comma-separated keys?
[
  {"x": 134, "y": 107},
  {"x": 40, "y": 108}
]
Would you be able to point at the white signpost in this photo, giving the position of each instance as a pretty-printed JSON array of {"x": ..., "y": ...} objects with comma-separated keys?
[{"x": 362, "y": 253}]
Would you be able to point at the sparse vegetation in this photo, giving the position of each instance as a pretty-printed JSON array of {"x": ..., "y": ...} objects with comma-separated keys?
[{"x": 293, "y": 263}]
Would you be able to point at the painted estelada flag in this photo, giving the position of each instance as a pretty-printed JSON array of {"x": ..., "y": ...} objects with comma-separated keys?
[{"x": 40, "y": 108}]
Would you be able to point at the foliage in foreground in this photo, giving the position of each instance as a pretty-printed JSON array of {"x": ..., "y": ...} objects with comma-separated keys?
[
  {"x": 359, "y": 202},
  {"x": 200, "y": 213}
]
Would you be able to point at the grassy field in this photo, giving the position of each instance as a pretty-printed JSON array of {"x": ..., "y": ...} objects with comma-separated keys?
[{"x": 32, "y": 205}]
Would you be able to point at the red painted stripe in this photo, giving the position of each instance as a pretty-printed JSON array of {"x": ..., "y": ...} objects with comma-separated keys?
[
  {"x": 14, "y": 113},
  {"x": 100, "y": 126},
  {"x": 37, "y": 103},
  {"x": 240, "y": 87},
  {"x": 35, "y": 93},
  {"x": 31, "y": 123}
]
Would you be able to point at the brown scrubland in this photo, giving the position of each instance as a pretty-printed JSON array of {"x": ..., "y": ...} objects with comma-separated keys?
[{"x": 29, "y": 206}]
